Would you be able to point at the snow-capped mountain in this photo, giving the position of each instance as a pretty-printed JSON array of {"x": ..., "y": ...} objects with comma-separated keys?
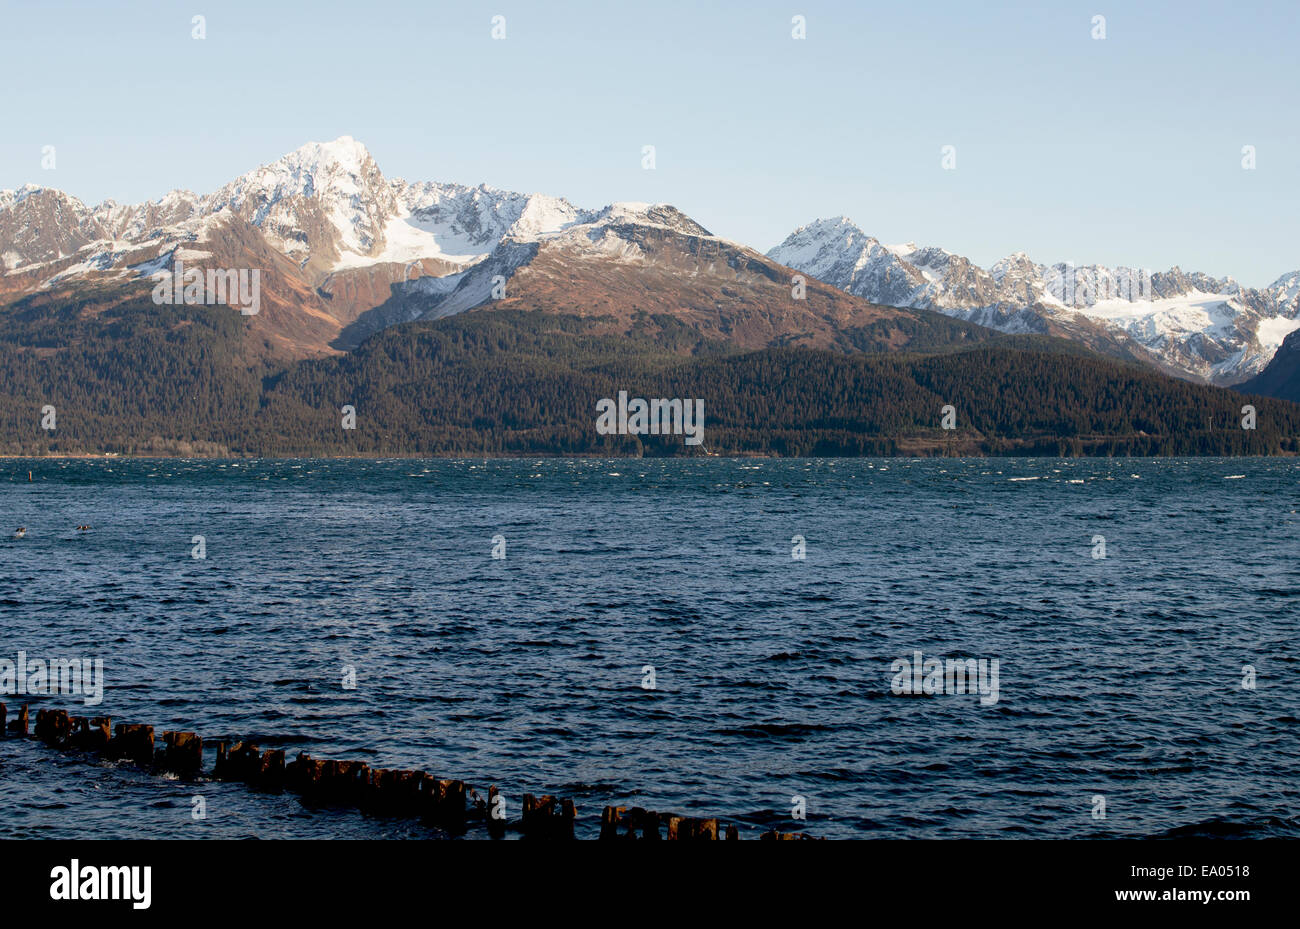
[
  {"x": 326, "y": 206},
  {"x": 1282, "y": 376},
  {"x": 1191, "y": 324},
  {"x": 347, "y": 252},
  {"x": 355, "y": 237},
  {"x": 38, "y": 224}
]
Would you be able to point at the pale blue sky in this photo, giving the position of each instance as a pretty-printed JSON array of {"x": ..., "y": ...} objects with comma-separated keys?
[{"x": 1125, "y": 150}]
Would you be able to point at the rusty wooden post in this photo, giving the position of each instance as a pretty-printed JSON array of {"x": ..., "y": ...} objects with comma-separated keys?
[
  {"x": 393, "y": 793},
  {"x": 303, "y": 777},
  {"x": 686, "y": 828},
  {"x": 344, "y": 783},
  {"x": 242, "y": 763},
  {"x": 610, "y": 818},
  {"x": 451, "y": 805},
  {"x": 406, "y": 789},
  {"x": 370, "y": 790},
  {"x": 530, "y": 814},
  {"x": 134, "y": 743},
  {"x": 91, "y": 735},
  {"x": 645, "y": 822},
  {"x": 270, "y": 774},
  {"x": 53, "y": 727},
  {"x": 183, "y": 754},
  {"x": 547, "y": 818},
  {"x": 219, "y": 764},
  {"x": 428, "y": 797},
  {"x": 568, "y": 816}
]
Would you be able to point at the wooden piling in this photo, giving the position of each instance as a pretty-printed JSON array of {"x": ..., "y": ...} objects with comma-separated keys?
[
  {"x": 133, "y": 743},
  {"x": 328, "y": 783},
  {"x": 393, "y": 793},
  {"x": 610, "y": 819},
  {"x": 19, "y": 726},
  {"x": 270, "y": 772},
  {"x": 449, "y": 806},
  {"x": 242, "y": 762},
  {"x": 546, "y": 818},
  {"x": 53, "y": 727},
  {"x": 617, "y": 822},
  {"x": 353, "y": 784},
  {"x": 183, "y": 754},
  {"x": 91, "y": 735}
]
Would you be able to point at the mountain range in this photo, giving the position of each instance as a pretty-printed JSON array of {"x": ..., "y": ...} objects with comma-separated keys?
[
  {"x": 1188, "y": 324},
  {"x": 345, "y": 252},
  {"x": 359, "y": 270},
  {"x": 351, "y": 252}
]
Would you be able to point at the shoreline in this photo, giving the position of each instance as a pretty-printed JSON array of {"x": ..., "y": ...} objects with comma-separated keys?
[{"x": 740, "y": 456}]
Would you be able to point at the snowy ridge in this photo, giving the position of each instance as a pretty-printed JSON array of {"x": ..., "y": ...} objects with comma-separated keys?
[
  {"x": 326, "y": 205},
  {"x": 328, "y": 208},
  {"x": 1202, "y": 327}
]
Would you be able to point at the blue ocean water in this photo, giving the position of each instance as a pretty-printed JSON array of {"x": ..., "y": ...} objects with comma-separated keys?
[{"x": 1120, "y": 677}]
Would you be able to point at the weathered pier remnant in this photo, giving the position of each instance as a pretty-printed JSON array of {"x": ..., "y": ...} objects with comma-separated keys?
[
  {"x": 773, "y": 836},
  {"x": 445, "y": 804},
  {"x": 354, "y": 784},
  {"x": 132, "y": 742},
  {"x": 53, "y": 727},
  {"x": 19, "y": 725},
  {"x": 183, "y": 754},
  {"x": 327, "y": 783},
  {"x": 270, "y": 775},
  {"x": 546, "y": 818},
  {"x": 92, "y": 735},
  {"x": 397, "y": 794},
  {"x": 618, "y": 822},
  {"x": 494, "y": 814},
  {"x": 242, "y": 763}
]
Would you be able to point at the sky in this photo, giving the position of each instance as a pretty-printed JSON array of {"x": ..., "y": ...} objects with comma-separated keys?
[{"x": 1125, "y": 149}]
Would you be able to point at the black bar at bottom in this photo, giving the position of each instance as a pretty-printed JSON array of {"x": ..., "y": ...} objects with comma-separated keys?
[{"x": 599, "y": 880}]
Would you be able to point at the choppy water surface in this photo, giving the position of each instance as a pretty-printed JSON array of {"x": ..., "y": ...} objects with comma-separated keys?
[{"x": 1119, "y": 676}]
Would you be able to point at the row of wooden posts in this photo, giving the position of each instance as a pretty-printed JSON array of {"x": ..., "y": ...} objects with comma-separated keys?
[{"x": 450, "y": 805}]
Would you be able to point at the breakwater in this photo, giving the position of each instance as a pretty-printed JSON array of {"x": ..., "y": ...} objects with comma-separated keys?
[{"x": 451, "y": 806}]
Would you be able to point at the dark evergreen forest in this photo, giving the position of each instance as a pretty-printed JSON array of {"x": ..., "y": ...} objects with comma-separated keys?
[{"x": 142, "y": 379}]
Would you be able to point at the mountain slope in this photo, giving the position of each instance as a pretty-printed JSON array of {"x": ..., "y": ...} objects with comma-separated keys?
[
  {"x": 1187, "y": 324},
  {"x": 521, "y": 383},
  {"x": 641, "y": 267},
  {"x": 346, "y": 252},
  {"x": 1282, "y": 376}
]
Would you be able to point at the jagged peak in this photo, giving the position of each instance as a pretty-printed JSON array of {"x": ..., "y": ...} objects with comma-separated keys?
[
  {"x": 344, "y": 151},
  {"x": 833, "y": 224},
  {"x": 10, "y": 198},
  {"x": 653, "y": 214}
]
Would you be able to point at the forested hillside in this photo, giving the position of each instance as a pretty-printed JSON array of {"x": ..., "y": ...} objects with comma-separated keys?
[{"x": 146, "y": 379}]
